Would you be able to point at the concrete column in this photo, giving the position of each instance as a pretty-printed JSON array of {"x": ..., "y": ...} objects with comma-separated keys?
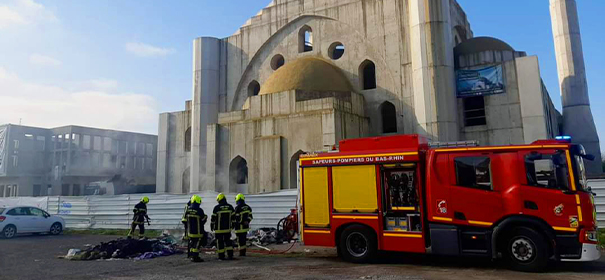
[
  {"x": 433, "y": 69},
  {"x": 205, "y": 104},
  {"x": 161, "y": 179},
  {"x": 577, "y": 117}
]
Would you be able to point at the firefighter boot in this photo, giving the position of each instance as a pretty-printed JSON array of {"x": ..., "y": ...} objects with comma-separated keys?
[
  {"x": 230, "y": 254},
  {"x": 197, "y": 259},
  {"x": 242, "y": 252}
]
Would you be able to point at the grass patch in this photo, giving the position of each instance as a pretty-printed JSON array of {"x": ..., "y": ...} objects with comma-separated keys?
[
  {"x": 602, "y": 237},
  {"x": 117, "y": 232}
]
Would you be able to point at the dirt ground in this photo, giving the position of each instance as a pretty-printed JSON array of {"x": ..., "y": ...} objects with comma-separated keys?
[{"x": 36, "y": 257}]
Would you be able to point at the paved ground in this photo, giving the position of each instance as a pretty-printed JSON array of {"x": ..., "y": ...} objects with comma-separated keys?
[{"x": 36, "y": 257}]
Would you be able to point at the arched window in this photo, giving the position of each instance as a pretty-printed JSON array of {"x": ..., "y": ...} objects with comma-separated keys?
[
  {"x": 293, "y": 169},
  {"x": 277, "y": 61},
  {"x": 188, "y": 140},
  {"x": 238, "y": 174},
  {"x": 388, "y": 116},
  {"x": 253, "y": 88},
  {"x": 367, "y": 75},
  {"x": 305, "y": 39},
  {"x": 185, "y": 181}
]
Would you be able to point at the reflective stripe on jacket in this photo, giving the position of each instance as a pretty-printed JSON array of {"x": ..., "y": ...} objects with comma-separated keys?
[
  {"x": 243, "y": 218},
  {"x": 222, "y": 217},
  {"x": 196, "y": 219}
]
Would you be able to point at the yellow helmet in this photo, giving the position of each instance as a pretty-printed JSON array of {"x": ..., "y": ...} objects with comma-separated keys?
[
  {"x": 145, "y": 199},
  {"x": 220, "y": 197},
  {"x": 196, "y": 199},
  {"x": 239, "y": 197}
]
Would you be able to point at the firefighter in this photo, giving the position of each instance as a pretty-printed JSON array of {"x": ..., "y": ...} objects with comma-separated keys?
[
  {"x": 196, "y": 219},
  {"x": 243, "y": 217},
  {"x": 184, "y": 218},
  {"x": 222, "y": 222},
  {"x": 139, "y": 217}
]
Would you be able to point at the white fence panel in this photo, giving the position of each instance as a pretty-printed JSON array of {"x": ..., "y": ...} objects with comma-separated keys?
[
  {"x": 165, "y": 210},
  {"x": 598, "y": 187}
]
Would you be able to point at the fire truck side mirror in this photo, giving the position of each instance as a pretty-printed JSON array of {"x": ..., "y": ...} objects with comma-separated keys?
[{"x": 589, "y": 157}]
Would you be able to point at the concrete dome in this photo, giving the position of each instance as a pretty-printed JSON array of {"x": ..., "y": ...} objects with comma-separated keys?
[
  {"x": 481, "y": 44},
  {"x": 309, "y": 74}
]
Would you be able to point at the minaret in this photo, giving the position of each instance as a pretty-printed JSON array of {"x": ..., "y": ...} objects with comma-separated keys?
[
  {"x": 577, "y": 117},
  {"x": 433, "y": 69}
]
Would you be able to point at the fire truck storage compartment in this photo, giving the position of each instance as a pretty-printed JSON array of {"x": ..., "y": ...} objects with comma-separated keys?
[
  {"x": 315, "y": 197},
  {"x": 354, "y": 189},
  {"x": 409, "y": 222},
  {"x": 400, "y": 188}
]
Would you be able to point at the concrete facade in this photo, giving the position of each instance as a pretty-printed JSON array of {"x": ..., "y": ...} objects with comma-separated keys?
[
  {"x": 577, "y": 116},
  {"x": 66, "y": 160},
  {"x": 524, "y": 113},
  {"x": 302, "y": 75}
]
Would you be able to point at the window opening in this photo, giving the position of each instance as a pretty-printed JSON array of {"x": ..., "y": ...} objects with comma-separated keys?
[
  {"x": 474, "y": 172},
  {"x": 336, "y": 50},
  {"x": 547, "y": 170},
  {"x": 474, "y": 111},
  {"x": 389, "y": 117},
  {"x": 367, "y": 73}
]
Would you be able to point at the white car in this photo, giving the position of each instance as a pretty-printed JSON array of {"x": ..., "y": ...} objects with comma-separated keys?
[{"x": 27, "y": 219}]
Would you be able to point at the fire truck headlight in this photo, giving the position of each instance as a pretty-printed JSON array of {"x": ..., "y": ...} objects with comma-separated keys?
[{"x": 591, "y": 235}]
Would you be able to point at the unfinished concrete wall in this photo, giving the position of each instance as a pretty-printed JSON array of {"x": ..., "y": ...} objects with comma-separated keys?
[
  {"x": 274, "y": 130},
  {"x": 205, "y": 103}
]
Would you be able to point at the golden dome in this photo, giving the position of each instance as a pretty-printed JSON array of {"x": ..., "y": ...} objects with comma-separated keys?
[{"x": 307, "y": 73}]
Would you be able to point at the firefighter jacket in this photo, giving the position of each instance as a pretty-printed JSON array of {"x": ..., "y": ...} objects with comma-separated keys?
[
  {"x": 222, "y": 217},
  {"x": 196, "y": 219},
  {"x": 243, "y": 217},
  {"x": 140, "y": 213},
  {"x": 184, "y": 218}
]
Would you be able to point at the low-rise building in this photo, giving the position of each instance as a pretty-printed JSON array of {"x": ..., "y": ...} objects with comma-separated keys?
[{"x": 72, "y": 160}]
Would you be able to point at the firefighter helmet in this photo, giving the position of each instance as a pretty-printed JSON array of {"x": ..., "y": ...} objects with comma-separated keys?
[
  {"x": 239, "y": 197},
  {"x": 196, "y": 199},
  {"x": 145, "y": 199},
  {"x": 220, "y": 197}
]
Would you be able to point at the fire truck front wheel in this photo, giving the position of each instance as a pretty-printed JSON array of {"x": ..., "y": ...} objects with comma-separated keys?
[
  {"x": 527, "y": 250},
  {"x": 358, "y": 244}
]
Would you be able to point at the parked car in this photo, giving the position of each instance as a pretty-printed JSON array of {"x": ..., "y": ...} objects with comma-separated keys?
[{"x": 26, "y": 219}]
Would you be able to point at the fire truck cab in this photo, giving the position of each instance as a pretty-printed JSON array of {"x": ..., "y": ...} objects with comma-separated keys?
[{"x": 525, "y": 204}]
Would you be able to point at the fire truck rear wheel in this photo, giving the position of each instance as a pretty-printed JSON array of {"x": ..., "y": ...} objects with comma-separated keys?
[
  {"x": 358, "y": 244},
  {"x": 527, "y": 250}
]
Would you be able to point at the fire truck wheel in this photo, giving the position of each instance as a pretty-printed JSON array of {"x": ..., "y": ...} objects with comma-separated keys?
[
  {"x": 358, "y": 244},
  {"x": 527, "y": 250}
]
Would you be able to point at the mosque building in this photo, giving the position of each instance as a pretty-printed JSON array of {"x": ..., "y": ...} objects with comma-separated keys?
[{"x": 302, "y": 75}]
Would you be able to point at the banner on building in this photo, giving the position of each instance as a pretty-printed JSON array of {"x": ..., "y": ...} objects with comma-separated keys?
[
  {"x": 3, "y": 133},
  {"x": 479, "y": 82}
]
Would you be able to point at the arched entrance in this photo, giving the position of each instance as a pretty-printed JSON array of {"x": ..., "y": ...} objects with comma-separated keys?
[
  {"x": 238, "y": 175},
  {"x": 185, "y": 185}
]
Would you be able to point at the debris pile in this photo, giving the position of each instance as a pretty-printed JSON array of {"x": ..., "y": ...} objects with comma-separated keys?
[
  {"x": 266, "y": 236},
  {"x": 126, "y": 249}
]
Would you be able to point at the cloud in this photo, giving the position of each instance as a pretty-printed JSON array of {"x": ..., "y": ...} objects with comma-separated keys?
[
  {"x": 9, "y": 17},
  {"x": 42, "y": 60},
  {"x": 52, "y": 106},
  {"x": 145, "y": 50},
  {"x": 24, "y": 12}
]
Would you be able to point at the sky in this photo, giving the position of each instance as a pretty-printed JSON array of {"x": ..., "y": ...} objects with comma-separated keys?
[{"x": 118, "y": 64}]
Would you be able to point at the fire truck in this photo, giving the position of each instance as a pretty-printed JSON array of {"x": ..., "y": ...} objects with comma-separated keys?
[{"x": 525, "y": 204}]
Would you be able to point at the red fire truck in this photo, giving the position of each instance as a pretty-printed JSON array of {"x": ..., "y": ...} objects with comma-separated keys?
[{"x": 525, "y": 204}]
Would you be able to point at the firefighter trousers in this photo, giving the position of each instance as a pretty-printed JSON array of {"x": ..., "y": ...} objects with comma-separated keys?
[
  {"x": 194, "y": 247},
  {"x": 224, "y": 244},
  {"x": 133, "y": 228},
  {"x": 241, "y": 242}
]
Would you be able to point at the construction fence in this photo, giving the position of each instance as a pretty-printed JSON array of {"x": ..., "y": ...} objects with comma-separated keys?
[{"x": 165, "y": 210}]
